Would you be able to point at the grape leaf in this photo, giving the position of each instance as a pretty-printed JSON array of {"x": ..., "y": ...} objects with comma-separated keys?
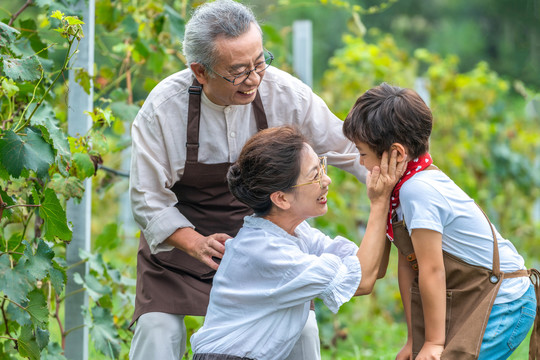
[
  {"x": 7, "y": 34},
  {"x": 70, "y": 187},
  {"x": 103, "y": 333},
  {"x": 84, "y": 165},
  {"x": 39, "y": 264},
  {"x": 37, "y": 308},
  {"x": 58, "y": 277},
  {"x": 28, "y": 346},
  {"x": 45, "y": 119},
  {"x": 54, "y": 218},
  {"x": 14, "y": 282},
  {"x": 25, "y": 69},
  {"x": 31, "y": 153}
]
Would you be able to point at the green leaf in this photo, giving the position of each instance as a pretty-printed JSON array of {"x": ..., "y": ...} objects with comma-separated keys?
[
  {"x": 9, "y": 87},
  {"x": 95, "y": 261},
  {"x": 15, "y": 282},
  {"x": 31, "y": 152},
  {"x": 7, "y": 34},
  {"x": 84, "y": 165},
  {"x": 124, "y": 111},
  {"x": 45, "y": 119},
  {"x": 103, "y": 333},
  {"x": 9, "y": 201},
  {"x": 42, "y": 337},
  {"x": 19, "y": 315},
  {"x": 176, "y": 22},
  {"x": 54, "y": 218},
  {"x": 70, "y": 187},
  {"x": 53, "y": 352},
  {"x": 39, "y": 264},
  {"x": 28, "y": 346},
  {"x": 58, "y": 277},
  {"x": 108, "y": 239},
  {"x": 95, "y": 289},
  {"x": 83, "y": 78},
  {"x": 37, "y": 308},
  {"x": 156, "y": 60},
  {"x": 29, "y": 31},
  {"x": 271, "y": 34},
  {"x": 26, "y": 69}
]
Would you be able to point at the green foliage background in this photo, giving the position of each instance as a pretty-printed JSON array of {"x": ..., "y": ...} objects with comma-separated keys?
[{"x": 487, "y": 126}]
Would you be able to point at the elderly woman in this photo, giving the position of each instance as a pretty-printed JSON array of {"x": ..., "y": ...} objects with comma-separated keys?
[{"x": 278, "y": 263}]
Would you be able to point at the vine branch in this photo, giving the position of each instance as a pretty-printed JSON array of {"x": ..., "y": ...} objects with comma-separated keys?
[{"x": 16, "y": 15}]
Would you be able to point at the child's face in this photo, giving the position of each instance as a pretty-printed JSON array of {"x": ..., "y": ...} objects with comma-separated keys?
[{"x": 368, "y": 157}]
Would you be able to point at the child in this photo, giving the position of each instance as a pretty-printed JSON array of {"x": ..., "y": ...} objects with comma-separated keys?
[{"x": 455, "y": 271}]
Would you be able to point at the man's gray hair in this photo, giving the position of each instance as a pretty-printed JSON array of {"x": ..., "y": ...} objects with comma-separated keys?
[{"x": 219, "y": 18}]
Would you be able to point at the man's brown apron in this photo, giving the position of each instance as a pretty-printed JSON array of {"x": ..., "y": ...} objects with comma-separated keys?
[
  {"x": 470, "y": 294},
  {"x": 174, "y": 282}
]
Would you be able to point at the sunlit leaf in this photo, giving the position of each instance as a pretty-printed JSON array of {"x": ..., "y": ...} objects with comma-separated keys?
[
  {"x": 83, "y": 78},
  {"x": 108, "y": 239},
  {"x": 9, "y": 88},
  {"x": 54, "y": 218},
  {"x": 29, "y": 152},
  {"x": 84, "y": 165}
]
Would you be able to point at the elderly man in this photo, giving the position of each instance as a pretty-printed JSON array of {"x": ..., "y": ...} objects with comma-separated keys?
[{"x": 189, "y": 130}]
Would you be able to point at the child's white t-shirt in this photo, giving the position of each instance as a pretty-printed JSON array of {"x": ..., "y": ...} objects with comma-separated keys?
[{"x": 431, "y": 200}]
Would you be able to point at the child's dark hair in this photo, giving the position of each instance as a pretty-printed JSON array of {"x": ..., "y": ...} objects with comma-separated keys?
[{"x": 389, "y": 114}]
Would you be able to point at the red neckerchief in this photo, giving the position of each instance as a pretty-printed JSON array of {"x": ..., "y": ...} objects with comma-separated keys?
[{"x": 413, "y": 167}]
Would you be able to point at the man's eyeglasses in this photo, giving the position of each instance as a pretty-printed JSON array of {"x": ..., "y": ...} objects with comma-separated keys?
[
  {"x": 322, "y": 171},
  {"x": 259, "y": 68}
]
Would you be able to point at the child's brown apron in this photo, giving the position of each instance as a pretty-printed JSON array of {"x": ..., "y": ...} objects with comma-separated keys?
[{"x": 470, "y": 294}]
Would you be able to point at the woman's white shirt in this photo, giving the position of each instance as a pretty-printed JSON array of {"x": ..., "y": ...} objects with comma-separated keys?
[{"x": 262, "y": 290}]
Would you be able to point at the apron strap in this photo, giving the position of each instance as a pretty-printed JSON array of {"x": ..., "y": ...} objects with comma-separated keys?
[
  {"x": 496, "y": 266},
  {"x": 534, "y": 344},
  {"x": 194, "y": 115},
  {"x": 260, "y": 115}
]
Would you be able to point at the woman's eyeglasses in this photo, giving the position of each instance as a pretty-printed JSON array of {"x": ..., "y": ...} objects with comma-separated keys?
[{"x": 322, "y": 171}]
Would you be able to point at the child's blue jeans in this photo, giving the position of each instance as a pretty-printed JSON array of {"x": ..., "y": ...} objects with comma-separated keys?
[{"x": 508, "y": 326}]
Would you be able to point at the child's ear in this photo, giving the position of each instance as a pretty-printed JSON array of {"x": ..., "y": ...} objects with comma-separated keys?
[
  {"x": 402, "y": 151},
  {"x": 280, "y": 199}
]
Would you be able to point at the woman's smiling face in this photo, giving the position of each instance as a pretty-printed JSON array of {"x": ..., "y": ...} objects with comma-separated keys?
[{"x": 309, "y": 196}]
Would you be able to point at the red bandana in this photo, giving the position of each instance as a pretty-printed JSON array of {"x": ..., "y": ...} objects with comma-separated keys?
[{"x": 413, "y": 167}]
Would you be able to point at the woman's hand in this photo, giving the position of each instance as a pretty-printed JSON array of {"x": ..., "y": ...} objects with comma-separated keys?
[{"x": 382, "y": 179}]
